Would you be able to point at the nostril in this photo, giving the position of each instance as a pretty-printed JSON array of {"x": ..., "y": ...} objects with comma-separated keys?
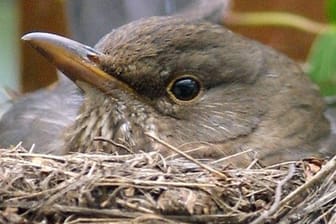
[{"x": 94, "y": 58}]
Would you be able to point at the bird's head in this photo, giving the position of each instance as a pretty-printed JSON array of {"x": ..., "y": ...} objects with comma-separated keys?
[{"x": 186, "y": 81}]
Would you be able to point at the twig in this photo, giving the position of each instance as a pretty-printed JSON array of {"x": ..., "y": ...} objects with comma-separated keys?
[
  {"x": 254, "y": 162},
  {"x": 329, "y": 167},
  {"x": 210, "y": 169},
  {"x": 333, "y": 218},
  {"x": 277, "y": 197},
  {"x": 31, "y": 150},
  {"x": 17, "y": 146},
  {"x": 45, "y": 156},
  {"x": 133, "y": 206},
  {"x": 231, "y": 156},
  {"x": 149, "y": 218},
  {"x": 325, "y": 199},
  {"x": 108, "y": 182},
  {"x": 329, "y": 211},
  {"x": 276, "y": 19},
  {"x": 89, "y": 211},
  {"x": 74, "y": 220},
  {"x": 113, "y": 143}
]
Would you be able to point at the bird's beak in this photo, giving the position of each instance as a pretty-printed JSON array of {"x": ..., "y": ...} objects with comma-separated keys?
[{"x": 78, "y": 61}]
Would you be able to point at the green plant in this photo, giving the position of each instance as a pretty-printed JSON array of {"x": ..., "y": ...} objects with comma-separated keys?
[{"x": 322, "y": 56}]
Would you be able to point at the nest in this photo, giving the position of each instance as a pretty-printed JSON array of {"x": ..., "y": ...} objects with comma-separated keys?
[{"x": 148, "y": 188}]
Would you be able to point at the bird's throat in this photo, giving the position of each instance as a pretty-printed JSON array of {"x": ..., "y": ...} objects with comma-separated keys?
[{"x": 106, "y": 122}]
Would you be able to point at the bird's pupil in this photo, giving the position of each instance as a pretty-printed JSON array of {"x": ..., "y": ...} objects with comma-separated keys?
[{"x": 185, "y": 89}]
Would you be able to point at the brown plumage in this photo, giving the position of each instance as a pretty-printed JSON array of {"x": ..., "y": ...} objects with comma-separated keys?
[{"x": 189, "y": 83}]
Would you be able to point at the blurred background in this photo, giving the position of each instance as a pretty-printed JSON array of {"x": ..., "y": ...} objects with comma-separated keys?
[{"x": 301, "y": 29}]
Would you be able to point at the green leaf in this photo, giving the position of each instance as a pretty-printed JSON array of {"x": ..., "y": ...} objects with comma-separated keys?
[
  {"x": 331, "y": 10},
  {"x": 322, "y": 61}
]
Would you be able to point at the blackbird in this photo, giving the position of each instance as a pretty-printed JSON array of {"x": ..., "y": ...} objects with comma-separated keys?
[{"x": 194, "y": 84}]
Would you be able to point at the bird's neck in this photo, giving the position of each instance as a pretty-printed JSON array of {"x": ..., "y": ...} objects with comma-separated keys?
[{"x": 104, "y": 123}]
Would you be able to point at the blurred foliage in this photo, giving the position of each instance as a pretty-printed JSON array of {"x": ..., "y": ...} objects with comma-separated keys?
[
  {"x": 331, "y": 10},
  {"x": 322, "y": 64},
  {"x": 322, "y": 56}
]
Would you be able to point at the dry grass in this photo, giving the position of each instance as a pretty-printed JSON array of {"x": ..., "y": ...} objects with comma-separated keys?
[{"x": 147, "y": 188}]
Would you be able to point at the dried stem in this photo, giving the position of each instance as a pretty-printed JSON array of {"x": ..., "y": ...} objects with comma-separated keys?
[{"x": 276, "y": 19}]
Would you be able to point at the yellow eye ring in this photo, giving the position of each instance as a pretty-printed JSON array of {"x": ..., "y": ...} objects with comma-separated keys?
[{"x": 184, "y": 89}]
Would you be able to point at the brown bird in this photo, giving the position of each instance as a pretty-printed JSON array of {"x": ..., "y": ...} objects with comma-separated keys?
[{"x": 190, "y": 83}]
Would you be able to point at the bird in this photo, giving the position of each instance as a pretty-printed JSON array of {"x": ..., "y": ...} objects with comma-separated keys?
[{"x": 195, "y": 85}]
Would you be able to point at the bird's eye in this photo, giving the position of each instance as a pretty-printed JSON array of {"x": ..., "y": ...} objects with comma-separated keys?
[{"x": 184, "y": 89}]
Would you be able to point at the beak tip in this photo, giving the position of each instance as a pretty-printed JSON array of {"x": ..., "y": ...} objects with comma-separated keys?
[
  {"x": 28, "y": 36},
  {"x": 38, "y": 37}
]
